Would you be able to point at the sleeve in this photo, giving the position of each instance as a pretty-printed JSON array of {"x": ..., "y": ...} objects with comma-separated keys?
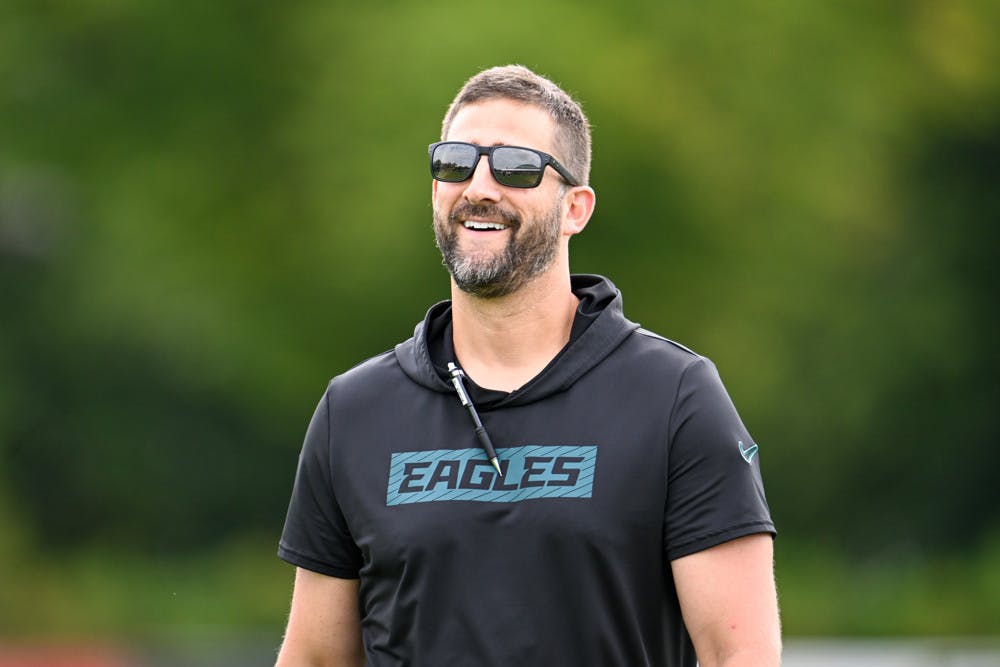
[
  {"x": 714, "y": 488},
  {"x": 316, "y": 535}
]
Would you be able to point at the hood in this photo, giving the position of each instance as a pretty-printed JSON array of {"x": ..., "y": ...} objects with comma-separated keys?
[{"x": 599, "y": 299}]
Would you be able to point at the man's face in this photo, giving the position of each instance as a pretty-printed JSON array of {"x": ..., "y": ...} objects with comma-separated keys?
[{"x": 493, "y": 238}]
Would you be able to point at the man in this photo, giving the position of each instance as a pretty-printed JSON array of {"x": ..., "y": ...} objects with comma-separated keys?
[{"x": 531, "y": 479}]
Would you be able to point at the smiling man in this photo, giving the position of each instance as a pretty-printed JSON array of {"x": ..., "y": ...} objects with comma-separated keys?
[{"x": 531, "y": 479}]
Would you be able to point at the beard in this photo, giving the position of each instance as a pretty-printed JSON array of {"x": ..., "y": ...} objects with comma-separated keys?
[{"x": 530, "y": 250}]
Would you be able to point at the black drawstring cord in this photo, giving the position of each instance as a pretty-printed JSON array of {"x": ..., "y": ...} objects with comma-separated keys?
[{"x": 484, "y": 438}]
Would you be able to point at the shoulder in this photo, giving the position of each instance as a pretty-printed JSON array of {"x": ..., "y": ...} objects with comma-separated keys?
[
  {"x": 660, "y": 353},
  {"x": 666, "y": 344},
  {"x": 366, "y": 379},
  {"x": 660, "y": 369}
]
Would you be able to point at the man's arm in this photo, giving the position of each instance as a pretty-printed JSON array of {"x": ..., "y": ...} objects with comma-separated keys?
[
  {"x": 729, "y": 602},
  {"x": 324, "y": 626}
]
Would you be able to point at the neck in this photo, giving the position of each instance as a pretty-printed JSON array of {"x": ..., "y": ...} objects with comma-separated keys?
[{"x": 503, "y": 343}]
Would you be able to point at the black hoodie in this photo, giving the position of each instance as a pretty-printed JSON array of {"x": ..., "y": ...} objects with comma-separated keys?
[{"x": 623, "y": 454}]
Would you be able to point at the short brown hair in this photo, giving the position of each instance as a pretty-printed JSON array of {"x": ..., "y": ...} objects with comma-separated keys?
[{"x": 520, "y": 84}]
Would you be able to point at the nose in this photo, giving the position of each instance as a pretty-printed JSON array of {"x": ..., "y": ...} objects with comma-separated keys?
[{"x": 481, "y": 186}]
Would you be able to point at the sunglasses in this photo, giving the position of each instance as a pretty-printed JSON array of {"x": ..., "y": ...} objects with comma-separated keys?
[{"x": 513, "y": 166}]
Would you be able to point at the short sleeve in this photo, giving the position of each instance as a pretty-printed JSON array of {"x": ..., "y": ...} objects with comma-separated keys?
[
  {"x": 714, "y": 488},
  {"x": 316, "y": 535}
]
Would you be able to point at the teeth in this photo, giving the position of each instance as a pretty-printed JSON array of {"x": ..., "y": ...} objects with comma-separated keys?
[{"x": 483, "y": 226}]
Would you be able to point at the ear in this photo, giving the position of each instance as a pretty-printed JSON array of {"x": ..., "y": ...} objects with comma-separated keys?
[{"x": 579, "y": 206}]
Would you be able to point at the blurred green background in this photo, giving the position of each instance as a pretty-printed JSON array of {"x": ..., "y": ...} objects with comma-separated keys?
[{"x": 209, "y": 209}]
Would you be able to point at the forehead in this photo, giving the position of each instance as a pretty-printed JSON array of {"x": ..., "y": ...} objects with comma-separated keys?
[{"x": 495, "y": 122}]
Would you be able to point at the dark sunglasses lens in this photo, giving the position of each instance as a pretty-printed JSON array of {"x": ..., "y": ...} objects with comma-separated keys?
[
  {"x": 453, "y": 162},
  {"x": 517, "y": 167}
]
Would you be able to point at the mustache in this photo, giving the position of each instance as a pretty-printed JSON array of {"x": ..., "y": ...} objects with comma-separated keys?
[{"x": 465, "y": 211}]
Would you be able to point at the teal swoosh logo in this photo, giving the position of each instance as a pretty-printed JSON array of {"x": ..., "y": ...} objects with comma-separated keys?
[{"x": 749, "y": 452}]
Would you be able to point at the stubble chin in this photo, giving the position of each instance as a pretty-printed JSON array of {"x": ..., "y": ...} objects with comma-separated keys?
[
  {"x": 490, "y": 274},
  {"x": 481, "y": 273}
]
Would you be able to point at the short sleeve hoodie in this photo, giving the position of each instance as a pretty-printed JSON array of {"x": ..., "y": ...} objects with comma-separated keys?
[{"x": 623, "y": 454}]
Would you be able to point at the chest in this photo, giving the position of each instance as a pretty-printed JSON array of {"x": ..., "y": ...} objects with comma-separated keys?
[{"x": 413, "y": 481}]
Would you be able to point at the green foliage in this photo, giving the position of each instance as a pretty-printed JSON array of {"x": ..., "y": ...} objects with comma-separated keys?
[
  {"x": 233, "y": 590},
  {"x": 206, "y": 212}
]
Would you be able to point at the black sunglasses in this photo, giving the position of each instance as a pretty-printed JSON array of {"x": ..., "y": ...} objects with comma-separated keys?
[{"x": 513, "y": 166}]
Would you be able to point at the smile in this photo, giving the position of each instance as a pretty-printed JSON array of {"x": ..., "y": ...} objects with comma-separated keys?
[{"x": 481, "y": 226}]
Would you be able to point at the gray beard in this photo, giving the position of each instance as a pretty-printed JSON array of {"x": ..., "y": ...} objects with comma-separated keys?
[{"x": 530, "y": 250}]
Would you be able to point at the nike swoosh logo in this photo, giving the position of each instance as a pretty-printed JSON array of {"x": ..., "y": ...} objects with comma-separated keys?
[{"x": 748, "y": 453}]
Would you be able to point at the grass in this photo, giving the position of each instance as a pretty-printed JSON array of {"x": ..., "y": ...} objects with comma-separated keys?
[
  {"x": 231, "y": 591},
  {"x": 823, "y": 593}
]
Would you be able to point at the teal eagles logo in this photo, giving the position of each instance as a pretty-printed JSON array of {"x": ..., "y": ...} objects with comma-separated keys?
[{"x": 529, "y": 472}]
